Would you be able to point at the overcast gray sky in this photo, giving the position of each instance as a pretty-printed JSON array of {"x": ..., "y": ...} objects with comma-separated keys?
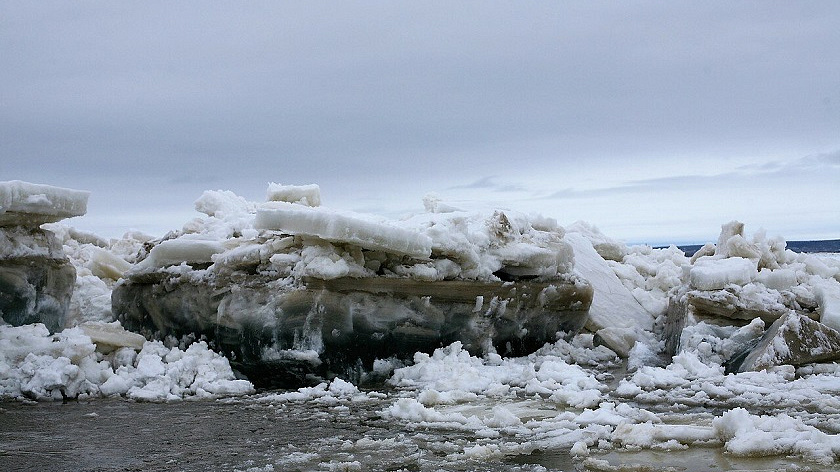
[{"x": 655, "y": 121}]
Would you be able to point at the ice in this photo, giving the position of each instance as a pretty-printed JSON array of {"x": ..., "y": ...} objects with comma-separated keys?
[
  {"x": 36, "y": 278},
  {"x": 779, "y": 279},
  {"x": 608, "y": 248},
  {"x": 716, "y": 274},
  {"x": 309, "y": 195},
  {"x": 828, "y": 299},
  {"x": 107, "y": 265},
  {"x": 570, "y": 395},
  {"x": 69, "y": 364},
  {"x": 185, "y": 249},
  {"x": 24, "y": 203},
  {"x": 503, "y": 244},
  {"x": 745, "y": 434},
  {"x": 614, "y": 314},
  {"x": 793, "y": 340},
  {"x": 223, "y": 204},
  {"x": 340, "y": 227},
  {"x": 111, "y": 336}
]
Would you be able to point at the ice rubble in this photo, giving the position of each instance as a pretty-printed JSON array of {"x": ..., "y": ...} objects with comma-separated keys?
[
  {"x": 688, "y": 326},
  {"x": 266, "y": 281},
  {"x": 739, "y": 282},
  {"x": 40, "y": 366},
  {"x": 53, "y": 277}
]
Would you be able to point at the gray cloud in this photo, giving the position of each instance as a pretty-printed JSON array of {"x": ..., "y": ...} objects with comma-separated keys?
[{"x": 368, "y": 98}]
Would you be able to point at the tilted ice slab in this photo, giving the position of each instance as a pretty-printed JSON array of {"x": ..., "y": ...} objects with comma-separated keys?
[
  {"x": 341, "y": 227},
  {"x": 615, "y": 315},
  {"x": 28, "y": 204}
]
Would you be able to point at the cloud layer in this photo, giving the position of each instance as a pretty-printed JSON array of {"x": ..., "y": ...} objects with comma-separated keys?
[{"x": 675, "y": 105}]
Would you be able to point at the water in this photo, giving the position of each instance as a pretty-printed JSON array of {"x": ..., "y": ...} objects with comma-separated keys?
[{"x": 248, "y": 434}]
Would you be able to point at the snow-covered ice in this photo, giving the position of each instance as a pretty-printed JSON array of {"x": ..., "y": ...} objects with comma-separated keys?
[
  {"x": 575, "y": 395},
  {"x": 24, "y": 203}
]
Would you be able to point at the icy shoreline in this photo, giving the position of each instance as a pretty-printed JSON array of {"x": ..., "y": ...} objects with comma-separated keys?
[{"x": 673, "y": 322}]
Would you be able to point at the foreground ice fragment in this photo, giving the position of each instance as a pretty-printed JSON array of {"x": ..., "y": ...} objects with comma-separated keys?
[
  {"x": 111, "y": 336},
  {"x": 793, "y": 339}
]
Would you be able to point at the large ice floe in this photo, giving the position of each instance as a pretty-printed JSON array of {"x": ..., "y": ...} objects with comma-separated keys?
[
  {"x": 295, "y": 293},
  {"x": 513, "y": 333}
]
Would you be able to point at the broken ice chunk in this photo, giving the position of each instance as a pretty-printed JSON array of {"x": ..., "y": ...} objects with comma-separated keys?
[
  {"x": 222, "y": 204},
  {"x": 27, "y": 204},
  {"x": 176, "y": 251},
  {"x": 613, "y": 305},
  {"x": 106, "y": 265},
  {"x": 342, "y": 228},
  {"x": 309, "y": 195},
  {"x": 793, "y": 339},
  {"x": 778, "y": 279},
  {"x": 828, "y": 299},
  {"x": 111, "y": 336},
  {"x": 715, "y": 274}
]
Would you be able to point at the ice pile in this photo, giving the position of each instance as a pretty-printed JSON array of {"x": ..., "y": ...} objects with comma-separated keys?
[
  {"x": 740, "y": 286},
  {"x": 291, "y": 235},
  {"x": 734, "y": 347},
  {"x": 101, "y": 359},
  {"x": 272, "y": 282},
  {"x": 55, "y": 279}
]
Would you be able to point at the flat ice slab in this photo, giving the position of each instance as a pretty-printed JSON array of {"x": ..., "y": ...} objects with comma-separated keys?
[
  {"x": 715, "y": 274},
  {"x": 340, "y": 227},
  {"x": 176, "y": 251},
  {"x": 28, "y": 204}
]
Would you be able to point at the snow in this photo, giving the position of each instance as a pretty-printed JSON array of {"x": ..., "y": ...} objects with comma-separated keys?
[
  {"x": 37, "y": 365},
  {"x": 33, "y": 204}
]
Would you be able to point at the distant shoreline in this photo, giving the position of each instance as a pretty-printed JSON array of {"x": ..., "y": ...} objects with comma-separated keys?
[{"x": 825, "y": 245}]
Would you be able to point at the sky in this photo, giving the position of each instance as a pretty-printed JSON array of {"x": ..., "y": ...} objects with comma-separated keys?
[{"x": 654, "y": 121}]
